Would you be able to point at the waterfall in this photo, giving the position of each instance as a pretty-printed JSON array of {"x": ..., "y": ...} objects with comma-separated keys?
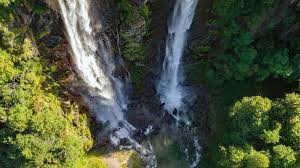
[
  {"x": 95, "y": 64},
  {"x": 169, "y": 89},
  {"x": 94, "y": 61},
  {"x": 169, "y": 86}
]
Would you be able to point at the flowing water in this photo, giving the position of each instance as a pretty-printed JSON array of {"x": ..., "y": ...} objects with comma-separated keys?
[
  {"x": 95, "y": 64},
  {"x": 169, "y": 87},
  {"x": 94, "y": 71}
]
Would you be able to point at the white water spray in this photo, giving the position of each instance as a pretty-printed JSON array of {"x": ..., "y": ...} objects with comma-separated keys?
[
  {"x": 95, "y": 72},
  {"x": 169, "y": 89},
  {"x": 95, "y": 64}
]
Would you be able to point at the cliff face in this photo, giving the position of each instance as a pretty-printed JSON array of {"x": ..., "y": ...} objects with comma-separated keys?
[
  {"x": 158, "y": 28},
  {"x": 106, "y": 12},
  {"x": 144, "y": 107},
  {"x": 199, "y": 28}
]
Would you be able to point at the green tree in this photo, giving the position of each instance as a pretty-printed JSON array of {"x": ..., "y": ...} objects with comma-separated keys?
[
  {"x": 262, "y": 133},
  {"x": 283, "y": 157},
  {"x": 6, "y": 2},
  {"x": 18, "y": 118},
  {"x": 35, "y": 129},
  {"x": 256, "y": 159},
  {"x": 272, "y": 136},
  {"x": 232, "y": 157},
  {"x": 250, "y": 115},
  {"x": 287, "y": 111}
]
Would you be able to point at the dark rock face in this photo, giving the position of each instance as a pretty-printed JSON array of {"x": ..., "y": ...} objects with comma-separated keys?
[
  {"x": 199, "y": 28},
  {"x": 161, "y": 10}
]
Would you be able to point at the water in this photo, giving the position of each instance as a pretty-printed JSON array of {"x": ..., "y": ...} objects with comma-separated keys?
[
  {"x": 95, "y": 64},
  {"x": 96, "y": 73},
  {"x": 169, "y": 87}
]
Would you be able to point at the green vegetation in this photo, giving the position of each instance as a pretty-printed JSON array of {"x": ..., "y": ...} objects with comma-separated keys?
[
  {"x": 262, "y": 133},
  {"x": 38, "y": 126},
  {"x": 250, "y": 49},
  {"x": 250, "y": 41},
  {"x": 35, "y": 131},
  {"x": 250, "y": 61},
  {"x": 6, "y": 2},
  {"x": 90, "y": 161},
  {"x": 134, "y": 25}
]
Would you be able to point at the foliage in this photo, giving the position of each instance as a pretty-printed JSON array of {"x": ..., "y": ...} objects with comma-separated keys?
[
  {"x": 133, "y": 50},
  {"x": 283, "y": 156},
  {"x": 137, "y": 76},
  {"x": 134, "y": 25},
  {"x": 250, "y": 115},
  {"x": 256, "y": 159},
  {"x": 262, "y": 133},
  {"x": 35, "y": 131},
  {"x": 37, "y": 7},
  {"x": 239, "y": 52},
  {"x": 6, "y": 2},
  {"x": 90, "y": 162},
  {"x": 132, "y": 12}
]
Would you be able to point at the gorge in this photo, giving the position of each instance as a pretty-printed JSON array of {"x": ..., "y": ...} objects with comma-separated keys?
[
  {"x": 149, "y": 83},
  {"x": 95, "y": 64}
]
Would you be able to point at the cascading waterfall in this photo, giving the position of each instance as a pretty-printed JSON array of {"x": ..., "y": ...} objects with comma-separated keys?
[
  {"x": 169, "y": 89},
  {"x": 96, "y": 73},
  {"x": 95, "y": 64}
]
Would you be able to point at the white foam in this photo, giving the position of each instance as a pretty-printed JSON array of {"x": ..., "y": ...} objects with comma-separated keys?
[{"x": 169, "y": 89}]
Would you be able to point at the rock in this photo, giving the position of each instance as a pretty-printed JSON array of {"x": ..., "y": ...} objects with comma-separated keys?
[
  {"x": 52, "y": 4},
  {"x": 25, "y": 15},
  {"x": 52, "y": 41}
]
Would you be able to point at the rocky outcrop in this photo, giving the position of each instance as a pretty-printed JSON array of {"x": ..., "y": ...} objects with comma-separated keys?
[{"x": 199, "y": 28}]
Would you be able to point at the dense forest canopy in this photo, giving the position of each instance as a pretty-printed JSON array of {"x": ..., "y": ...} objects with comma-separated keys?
[
  {"x": 253, "y": 50},
  {"x": 249, "y": 60},
  {"x": 35, "y": 130}
]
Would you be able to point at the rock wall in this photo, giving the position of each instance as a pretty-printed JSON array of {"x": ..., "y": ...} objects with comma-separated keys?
[
  {"x": 199, "y": 28},
  {"x": 158, "y": 28}
]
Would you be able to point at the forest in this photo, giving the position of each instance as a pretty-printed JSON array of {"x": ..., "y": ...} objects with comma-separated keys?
[{"x": 245, "y": 58}]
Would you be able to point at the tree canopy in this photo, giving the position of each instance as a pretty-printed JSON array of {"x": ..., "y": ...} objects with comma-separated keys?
[{"x": 263, "y": 133}]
